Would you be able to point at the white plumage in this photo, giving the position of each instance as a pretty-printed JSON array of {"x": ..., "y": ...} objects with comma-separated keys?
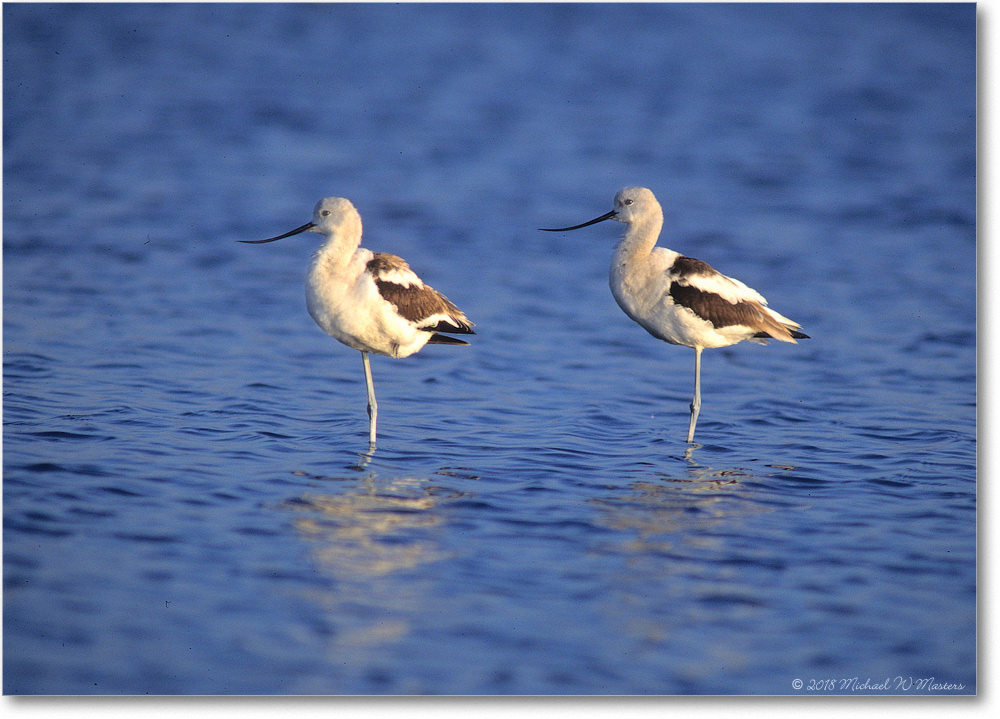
[
  {"x": 678, "y": 299},
  {"x": 370, "y": 301}
]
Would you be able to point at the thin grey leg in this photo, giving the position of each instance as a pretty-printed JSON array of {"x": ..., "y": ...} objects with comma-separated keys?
[
  {"x": 696, "y": 402},
  {"x": 372, "y": 404}
]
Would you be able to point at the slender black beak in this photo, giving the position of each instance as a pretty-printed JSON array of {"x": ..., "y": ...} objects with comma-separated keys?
[
  {"x": 594, "y": 221},
  {"x": 297, "y": 230}
]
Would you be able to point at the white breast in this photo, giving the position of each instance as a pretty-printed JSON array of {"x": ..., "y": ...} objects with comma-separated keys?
[{"x": 343, "y": 300}]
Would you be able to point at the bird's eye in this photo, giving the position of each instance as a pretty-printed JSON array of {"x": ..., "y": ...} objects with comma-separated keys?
[
  {"x": 628, "y": 201},
  {"x": 325, "y": 213}
]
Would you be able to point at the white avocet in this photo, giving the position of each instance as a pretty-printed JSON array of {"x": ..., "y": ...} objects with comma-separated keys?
[
  {"x": 678, "y": 299},
  {"x": 371, "y": 301}
]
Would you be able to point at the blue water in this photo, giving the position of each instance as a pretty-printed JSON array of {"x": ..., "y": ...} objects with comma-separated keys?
[{"x": 188, "y": 506}]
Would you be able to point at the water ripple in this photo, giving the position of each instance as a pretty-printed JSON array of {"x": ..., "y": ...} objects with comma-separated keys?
[{"x": 191, "y": 505}]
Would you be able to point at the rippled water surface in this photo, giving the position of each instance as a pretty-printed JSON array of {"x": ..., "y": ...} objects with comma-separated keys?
[{"x": 188, "y": 502}]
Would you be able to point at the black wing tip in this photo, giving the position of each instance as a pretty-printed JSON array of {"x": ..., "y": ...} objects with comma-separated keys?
[
  {"x": 450, "y": 328},
  {"x": 439, "y": 339},
  {"x": 762, "y": 335}
]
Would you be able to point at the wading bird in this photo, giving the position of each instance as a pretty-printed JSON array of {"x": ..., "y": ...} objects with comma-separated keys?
[
  {"x": 678, "y": 299},
  {"x": 371, "y": 301}
]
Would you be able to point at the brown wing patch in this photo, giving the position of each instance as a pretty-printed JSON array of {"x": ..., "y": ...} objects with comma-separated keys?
[
  {"x": 717, "y": 310},
  {"x": 416, "y": 302},
  {"x": 720, "y": 312},
  {"x": 382, "y": 263},
  {"x": 689, "y": 267},
  {"x": 413, "y": 303}
]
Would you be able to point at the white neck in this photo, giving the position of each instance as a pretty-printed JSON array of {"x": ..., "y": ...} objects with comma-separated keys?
[
  {"x": 641, "y": 237},
  {"x": 341, "y": 245}
]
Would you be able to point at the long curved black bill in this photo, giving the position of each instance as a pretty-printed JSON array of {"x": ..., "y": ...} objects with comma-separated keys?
[
  {"x": 594, "y": 221},
  {"x": 297, "y": 230}
]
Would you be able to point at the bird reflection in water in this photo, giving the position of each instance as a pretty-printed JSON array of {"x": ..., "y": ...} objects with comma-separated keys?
[
  {"x": 675, "y": 534},
  {"x": 368, "y": 542},
  {"x": 668, "y": 507}
]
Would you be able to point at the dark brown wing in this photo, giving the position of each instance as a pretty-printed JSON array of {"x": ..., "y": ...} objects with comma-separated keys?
[{"x": 421, "y": 304}]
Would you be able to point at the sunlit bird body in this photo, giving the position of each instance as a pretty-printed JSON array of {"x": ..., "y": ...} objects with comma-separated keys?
[
  {"x": 371, "y": 301},
  {"x": 678, "y": 299}
]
